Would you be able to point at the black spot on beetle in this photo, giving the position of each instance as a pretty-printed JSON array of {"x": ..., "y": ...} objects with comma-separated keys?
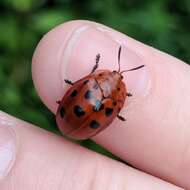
[
  {"x": 94, "y": 124},
  {"x": 100, "y": 74},
  {"x": 118, "y": 89},
  {"x": 62, "y": 111},
  {"x": 108, "y": 111},
  {"x": 86, "y": 81},
  {"x": 88, "y": 94},
  {"x": 74, "y": 93},
  {"x": 78, "y": 111}
]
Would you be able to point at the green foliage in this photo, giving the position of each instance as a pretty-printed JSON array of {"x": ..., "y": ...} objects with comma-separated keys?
[
  {"x": 46, "y": 19},
  {"x": 163, "y": 24}
]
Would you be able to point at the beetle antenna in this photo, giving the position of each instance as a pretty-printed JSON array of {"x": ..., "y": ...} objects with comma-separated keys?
[
  {"x": 119, "y": 55},
  {"x": 133, "y": 69}
]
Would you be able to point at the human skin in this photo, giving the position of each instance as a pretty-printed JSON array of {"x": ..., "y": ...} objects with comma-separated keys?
[{"x": 154, "y": 139}]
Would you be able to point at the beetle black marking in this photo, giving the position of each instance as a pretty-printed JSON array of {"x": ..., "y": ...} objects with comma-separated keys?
[
  {"x": 78, "y": 111},
  {"x": 86, "y": 81},
  {"x": 88, "y": 94},
  {"x": 74, "y": 93},
  {"x": 94, "y": 124},
  {"x": 108, "y": 111}
]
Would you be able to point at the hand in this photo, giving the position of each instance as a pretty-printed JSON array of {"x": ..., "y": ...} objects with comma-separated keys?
[{"x": 155, "y": 138}]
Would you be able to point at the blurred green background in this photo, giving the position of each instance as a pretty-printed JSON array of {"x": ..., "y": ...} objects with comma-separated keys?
[{"x": 163, "y": 24}]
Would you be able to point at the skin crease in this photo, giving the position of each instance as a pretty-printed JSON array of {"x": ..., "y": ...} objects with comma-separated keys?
[
  {"x": 156, "y": 139},
  {"x": 153, "y": 140}
]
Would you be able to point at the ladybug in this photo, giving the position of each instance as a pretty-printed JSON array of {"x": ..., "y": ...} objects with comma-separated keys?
[{"x": 93, "y": 102}]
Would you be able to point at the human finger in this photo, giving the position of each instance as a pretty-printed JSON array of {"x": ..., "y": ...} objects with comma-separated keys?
[
  {"x": 32, "y": 158},
  {"x": 155, "y": 137}
]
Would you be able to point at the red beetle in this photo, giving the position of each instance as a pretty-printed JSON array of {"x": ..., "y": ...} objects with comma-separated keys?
[{"x": 93, "y": 102}]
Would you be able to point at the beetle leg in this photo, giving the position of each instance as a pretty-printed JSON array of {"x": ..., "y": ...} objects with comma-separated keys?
[
  {"x": 96, "y": 65},
  {"x": 129, "y": 94},
  {"x": 68, "y": 82},
  {"x": 121, "y": 118}
]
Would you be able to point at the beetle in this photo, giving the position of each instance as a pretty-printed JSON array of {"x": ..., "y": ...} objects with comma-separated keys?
[{"x": 93, "y": 102}]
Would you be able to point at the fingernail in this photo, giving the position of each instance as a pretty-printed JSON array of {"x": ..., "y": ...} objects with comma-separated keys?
[
  {"x": 7, "y": 149},
  {"x": 79, "y": 55}
]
